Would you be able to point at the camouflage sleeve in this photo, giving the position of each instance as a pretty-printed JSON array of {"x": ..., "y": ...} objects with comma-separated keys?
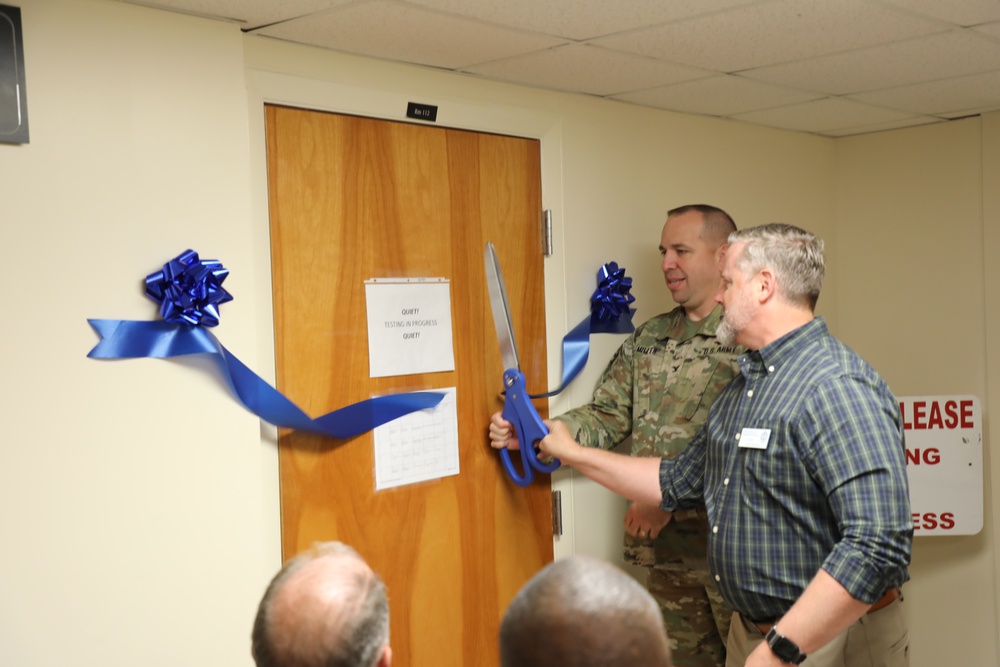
[{"x": 607, "y": 420}]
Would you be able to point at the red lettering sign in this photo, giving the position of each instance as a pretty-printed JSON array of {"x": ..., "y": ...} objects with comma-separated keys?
[
  {"x": 928, "y": 456},
  {"x": 937, "y": 415},
  {"x": 932, "y": 520}
]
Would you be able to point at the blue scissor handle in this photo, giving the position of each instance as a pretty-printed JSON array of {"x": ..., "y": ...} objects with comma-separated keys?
[{"x": 518, "y": 410}]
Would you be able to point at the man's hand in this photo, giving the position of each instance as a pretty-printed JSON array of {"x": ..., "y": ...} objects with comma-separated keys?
[
  {"x": 502, "y": 433},
  {"x": 645, "y": 521},
  {"x": 559, "y": 442},
  {"x": 763, "y": 656}
]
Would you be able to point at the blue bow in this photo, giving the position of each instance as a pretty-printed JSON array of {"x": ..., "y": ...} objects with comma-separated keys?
[
  {"x": 190, "y": 292},
  {"x": 610, "y": 312}
]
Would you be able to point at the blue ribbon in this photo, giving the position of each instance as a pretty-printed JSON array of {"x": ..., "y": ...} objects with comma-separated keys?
[
  {"x": 189, "y": 291},
  {"x": 610, "y": 312}
]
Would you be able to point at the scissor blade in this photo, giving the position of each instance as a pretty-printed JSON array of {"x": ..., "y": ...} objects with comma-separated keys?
[{"x": 501, "y": 308}]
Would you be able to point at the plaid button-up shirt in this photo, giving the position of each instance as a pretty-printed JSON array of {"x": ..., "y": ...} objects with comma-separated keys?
[{"x": 801, "y": 466}]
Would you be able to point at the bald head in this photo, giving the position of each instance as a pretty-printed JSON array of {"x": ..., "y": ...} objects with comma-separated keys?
[
  {"x": 325, "y": 608},
  {"x": 583, "y": 612}
]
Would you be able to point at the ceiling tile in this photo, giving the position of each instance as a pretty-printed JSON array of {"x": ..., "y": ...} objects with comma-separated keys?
[
  {"x": 383, "y": 29},
  {"x": 720, "y": 95},
  {"x": 834, "y": 67},
  {"x": 950, "y": 97},
  {"x": 251, "y": 13},
  {"x": 580, "y": 20},
  {"x": 772, "y": 32},
  {"x": 823, "y": 115},
  {"x": 587, "y": 69},
  {"x": 947, "y": 54},
  {"x": 959, "y": 12},
  {"x": 882, "y": 127}
]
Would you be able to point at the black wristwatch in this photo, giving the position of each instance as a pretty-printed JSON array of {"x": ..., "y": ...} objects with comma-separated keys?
[{"x": 784, "y": 648}]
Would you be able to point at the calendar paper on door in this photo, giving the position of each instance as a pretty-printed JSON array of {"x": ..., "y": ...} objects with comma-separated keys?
[{"x": 418, "y": 447}]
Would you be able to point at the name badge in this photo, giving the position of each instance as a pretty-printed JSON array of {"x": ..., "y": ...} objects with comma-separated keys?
[{"x": 755, "y": 438}]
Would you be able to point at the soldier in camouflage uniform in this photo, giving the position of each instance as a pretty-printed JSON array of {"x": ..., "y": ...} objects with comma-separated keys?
[{"x": 657, "y": 389}]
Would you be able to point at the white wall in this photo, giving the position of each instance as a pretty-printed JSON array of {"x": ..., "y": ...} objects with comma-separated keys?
[{"x": 139, "y": 501}]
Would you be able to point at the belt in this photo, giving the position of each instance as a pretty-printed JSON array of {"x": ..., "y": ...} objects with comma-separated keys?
[{"x": 890, "y": 596}]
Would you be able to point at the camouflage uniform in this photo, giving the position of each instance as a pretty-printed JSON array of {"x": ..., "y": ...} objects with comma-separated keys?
[{"x": 658, "y": 388}]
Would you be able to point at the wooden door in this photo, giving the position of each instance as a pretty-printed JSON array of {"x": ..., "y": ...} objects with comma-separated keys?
[{"x": 357, "y": 198}]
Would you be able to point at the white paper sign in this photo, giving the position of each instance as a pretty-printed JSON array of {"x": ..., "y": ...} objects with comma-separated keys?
[
  {"x": 944, "y": 463},
  {"x": 418, "y": 447},
  {"x": 409, "y": 326}
]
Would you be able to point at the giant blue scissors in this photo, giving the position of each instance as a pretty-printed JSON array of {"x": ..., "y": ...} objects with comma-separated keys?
[{"x": 517, "y": 407}]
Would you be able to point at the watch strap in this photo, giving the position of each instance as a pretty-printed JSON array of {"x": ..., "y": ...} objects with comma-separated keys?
[{"x": 783, "y": 647}]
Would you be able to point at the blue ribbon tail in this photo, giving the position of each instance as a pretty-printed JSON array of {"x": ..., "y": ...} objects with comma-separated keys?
[
  {"x": 576, "y": 345},
  {"x": 128, "y": 339},
  {"x": 123, "y": 339},
  {"x": 575, "y": 352},
  {"x": 354, "y": 419}
]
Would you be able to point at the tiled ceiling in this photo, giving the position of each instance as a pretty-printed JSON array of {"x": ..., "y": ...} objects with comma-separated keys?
[{"x": 829, "y": 67}]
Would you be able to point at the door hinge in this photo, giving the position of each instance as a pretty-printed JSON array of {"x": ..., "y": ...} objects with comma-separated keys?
[
  {"x": 547, "y": 232},
  {"x": 557, "y": 513}
]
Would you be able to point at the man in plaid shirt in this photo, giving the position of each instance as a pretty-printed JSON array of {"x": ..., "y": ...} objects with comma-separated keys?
[{"x": 802, "y": 469}]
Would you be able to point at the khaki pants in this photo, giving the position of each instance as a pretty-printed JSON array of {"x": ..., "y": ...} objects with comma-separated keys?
[{"x": 879, "y": 639}]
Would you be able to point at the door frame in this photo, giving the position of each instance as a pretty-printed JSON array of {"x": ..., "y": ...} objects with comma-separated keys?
[{"x": 339, "y": 94}]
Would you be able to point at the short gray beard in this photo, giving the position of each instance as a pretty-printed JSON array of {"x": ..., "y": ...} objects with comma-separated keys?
[
  {"x": 726, "y": 333},
  {"x": 729, "y": 329}
]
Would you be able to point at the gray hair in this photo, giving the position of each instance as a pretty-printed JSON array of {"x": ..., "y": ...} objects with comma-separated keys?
[
  {"x": 357, "y": 642},
  {"x": 583, "y": 612},
  {"x": 793, "y": 254}
]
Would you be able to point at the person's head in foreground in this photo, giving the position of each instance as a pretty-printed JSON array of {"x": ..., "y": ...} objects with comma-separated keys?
[
  {"x": 583, "y": 612},
  {"x": 324, "y": 608}
]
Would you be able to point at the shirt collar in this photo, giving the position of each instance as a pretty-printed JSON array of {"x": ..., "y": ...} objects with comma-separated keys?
[
  {"x": 678, "y": 326},
  {"x": 774, "y": 355}
]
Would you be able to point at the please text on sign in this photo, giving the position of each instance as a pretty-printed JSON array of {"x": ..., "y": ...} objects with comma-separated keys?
[{"x": 944, "y": 463}]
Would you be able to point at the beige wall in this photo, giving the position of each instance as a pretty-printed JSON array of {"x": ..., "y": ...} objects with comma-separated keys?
[
  {"x": 990, "y": 177},
  {"x": 137, "y": 504},
  {"x": 139, "y": 501},
  {"x": 917, "y": 293}
]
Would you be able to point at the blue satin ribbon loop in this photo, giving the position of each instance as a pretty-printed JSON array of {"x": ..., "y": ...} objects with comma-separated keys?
[
  {"x": 123, "y": 339},
  {"x": 189, "y": 290},
  {"x": 611, "y": 300},
  {"x": 609, "y": 313}
]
